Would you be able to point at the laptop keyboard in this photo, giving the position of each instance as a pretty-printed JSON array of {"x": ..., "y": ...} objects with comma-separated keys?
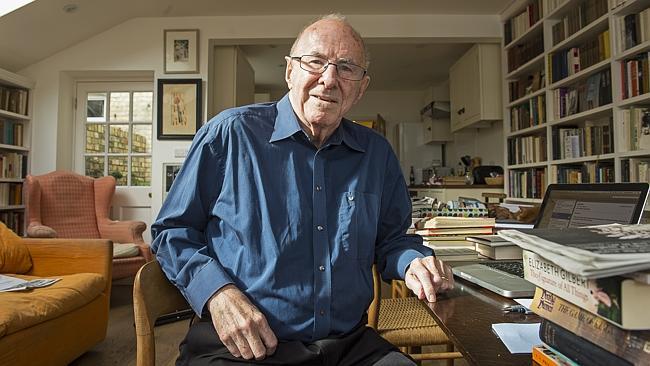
[{"x": 514, "y": 268}]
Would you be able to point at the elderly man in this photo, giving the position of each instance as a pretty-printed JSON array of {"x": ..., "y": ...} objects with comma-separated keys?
[{"x": 278, "y": 214}]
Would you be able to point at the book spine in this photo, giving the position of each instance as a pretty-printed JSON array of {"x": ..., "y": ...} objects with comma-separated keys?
[
  {"x": 599, "y": 296},
  {"x": 546, "y": 357},
  {"x": 576, "y": 348},
  {"x": 633, "y": 346}
]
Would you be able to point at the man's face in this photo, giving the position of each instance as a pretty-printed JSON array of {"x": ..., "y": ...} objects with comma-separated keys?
[{"x": 321, "y": 100}]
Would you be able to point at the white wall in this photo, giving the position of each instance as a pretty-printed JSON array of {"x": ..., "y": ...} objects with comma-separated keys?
[{"x": 138, "y": 45}]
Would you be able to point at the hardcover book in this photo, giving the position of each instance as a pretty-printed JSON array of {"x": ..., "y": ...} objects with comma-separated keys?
[
  {"x": 620, "y": 300},
  {"x": 576, "y": 348},
  {"x": 545, "y": 356},
  {"x": 633, "y": 346}
]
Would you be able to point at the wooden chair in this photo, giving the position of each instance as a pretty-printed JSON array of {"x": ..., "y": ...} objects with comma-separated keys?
[
  {"x": 405, "y": 322},
  {"x": 153, "y": 296},
  {"x": 402, "y": 321}
]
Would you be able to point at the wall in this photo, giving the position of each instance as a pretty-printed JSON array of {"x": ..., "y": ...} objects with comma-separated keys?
[{"x": 138, "y": 45}]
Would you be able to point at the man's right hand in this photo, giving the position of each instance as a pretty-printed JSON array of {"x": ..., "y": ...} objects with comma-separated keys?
[{"x": 241, "y": 327}]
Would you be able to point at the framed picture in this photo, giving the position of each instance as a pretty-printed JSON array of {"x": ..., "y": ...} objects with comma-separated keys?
[
  {"x": 179, "y": 108},
  {"x": 181, "y": 51},
  {"x": 170, "y": 170}
]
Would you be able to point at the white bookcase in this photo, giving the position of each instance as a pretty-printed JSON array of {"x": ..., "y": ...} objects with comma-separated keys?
[
  {"x": 15, "y": 144},
  {"x": 575, "y": 134}
]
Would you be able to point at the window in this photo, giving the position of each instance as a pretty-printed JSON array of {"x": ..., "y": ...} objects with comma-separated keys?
[{"x": 117, "y": 136}]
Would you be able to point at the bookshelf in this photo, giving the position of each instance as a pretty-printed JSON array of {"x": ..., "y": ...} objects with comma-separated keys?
[
  {"x": 576, "y": 93},
  {"x": 15, "y": 140}
]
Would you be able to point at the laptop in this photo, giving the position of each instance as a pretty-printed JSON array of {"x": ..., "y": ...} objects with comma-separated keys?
[{"x": 563, "y": 206}]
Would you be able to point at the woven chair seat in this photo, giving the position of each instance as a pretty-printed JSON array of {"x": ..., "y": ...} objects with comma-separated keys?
[{"x": 405, "y": 322}]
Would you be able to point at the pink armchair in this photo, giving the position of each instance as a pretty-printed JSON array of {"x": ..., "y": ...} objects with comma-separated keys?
[{"x": 68, "y": 205}]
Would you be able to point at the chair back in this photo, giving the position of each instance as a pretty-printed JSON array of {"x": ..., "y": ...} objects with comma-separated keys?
[
  {"x": 153, "y": 296},
  {"x": 67, "y": 202}
]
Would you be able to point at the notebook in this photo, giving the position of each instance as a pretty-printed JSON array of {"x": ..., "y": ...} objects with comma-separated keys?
[{"x": 564, "y": 205}]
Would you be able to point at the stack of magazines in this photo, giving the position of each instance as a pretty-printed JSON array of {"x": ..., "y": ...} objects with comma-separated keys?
[{"x": 593, "y": 292}]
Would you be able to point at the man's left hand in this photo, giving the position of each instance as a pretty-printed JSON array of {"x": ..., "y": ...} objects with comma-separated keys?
[{"x": 428, "y": 276}]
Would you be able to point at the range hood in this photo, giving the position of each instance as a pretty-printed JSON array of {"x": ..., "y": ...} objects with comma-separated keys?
[{"x": 436, "y": 110}]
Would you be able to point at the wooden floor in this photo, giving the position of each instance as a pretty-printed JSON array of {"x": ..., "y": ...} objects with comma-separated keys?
[
  {"x": 119, "y": 346},
  {"x": 118, "y": 349}
]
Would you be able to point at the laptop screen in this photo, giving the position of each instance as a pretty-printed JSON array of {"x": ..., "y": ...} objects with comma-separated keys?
[{"x": 575, "y": 205}]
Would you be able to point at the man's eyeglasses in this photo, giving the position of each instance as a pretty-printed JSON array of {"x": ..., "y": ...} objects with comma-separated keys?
[{"x": 317, "y": 64}]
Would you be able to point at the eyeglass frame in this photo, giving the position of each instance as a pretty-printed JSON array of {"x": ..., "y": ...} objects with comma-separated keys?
[{"x": 299, "y": 59}]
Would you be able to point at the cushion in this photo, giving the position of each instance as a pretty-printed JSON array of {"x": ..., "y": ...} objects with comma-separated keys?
[
  {"x": 125, "y": 250},
  {"x": 14, "y": 255},
  {"x": 22, "y": 309}
]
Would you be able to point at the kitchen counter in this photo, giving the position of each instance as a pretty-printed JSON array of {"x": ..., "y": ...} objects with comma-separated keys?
[{"x": 448, "y": 192}]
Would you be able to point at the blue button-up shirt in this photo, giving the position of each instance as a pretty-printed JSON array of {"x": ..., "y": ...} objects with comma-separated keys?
[{"x": 295, "y": 227}]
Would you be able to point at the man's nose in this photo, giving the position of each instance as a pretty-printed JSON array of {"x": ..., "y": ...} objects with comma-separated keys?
[{"x": 329, "y": 76}]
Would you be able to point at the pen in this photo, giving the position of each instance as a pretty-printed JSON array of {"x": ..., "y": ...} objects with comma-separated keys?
[{"x": 516, "y": 309}]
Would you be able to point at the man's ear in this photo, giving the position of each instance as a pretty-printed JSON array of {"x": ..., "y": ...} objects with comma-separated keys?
[
  {"x": 287, "y": 71},
  {"x": 362, "y": 88}
]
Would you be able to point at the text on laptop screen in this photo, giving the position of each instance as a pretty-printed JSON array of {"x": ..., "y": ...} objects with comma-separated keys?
[{"x": 583, "y": 208}]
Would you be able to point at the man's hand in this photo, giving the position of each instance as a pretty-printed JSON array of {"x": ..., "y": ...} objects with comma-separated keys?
[
  {"x": 241, "y": 327},
  {"x": 427, "y": 276}
]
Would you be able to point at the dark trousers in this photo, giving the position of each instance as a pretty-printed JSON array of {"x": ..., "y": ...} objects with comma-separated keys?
[{"x": 362, "y": 346}]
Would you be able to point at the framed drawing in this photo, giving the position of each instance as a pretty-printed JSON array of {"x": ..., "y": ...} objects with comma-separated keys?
[
  {"x": 181, "y": 51},
  {"x": 170, "y": 170},
  {"x": 179, "y": 108}
]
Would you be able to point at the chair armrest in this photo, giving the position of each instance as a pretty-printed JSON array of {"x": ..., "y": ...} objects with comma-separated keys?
[
  {"x": 52, "y": 257},
  {"x": 38, "y": 230},
  {"x": 145, "y": 251},
  {"x": 122, "y": 231}
]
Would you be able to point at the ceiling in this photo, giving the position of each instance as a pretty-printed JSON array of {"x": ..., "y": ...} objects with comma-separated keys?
[{"x": 42, "y": 28}]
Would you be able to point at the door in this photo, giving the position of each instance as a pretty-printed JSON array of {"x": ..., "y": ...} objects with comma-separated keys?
[{"x": 113, "y": 136}]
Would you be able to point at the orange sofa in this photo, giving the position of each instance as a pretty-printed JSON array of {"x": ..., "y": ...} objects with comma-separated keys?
[{"x": 56, "y": 324}]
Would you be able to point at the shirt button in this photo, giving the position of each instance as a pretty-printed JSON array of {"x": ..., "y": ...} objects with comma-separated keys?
[
  {"x": 321, "y": 268},
  {"x": 319, "y": 228},
  {"x": 351, "y": 197},
  {"x": 322, "y": 312},
  {"x": 318, "y": 188}
]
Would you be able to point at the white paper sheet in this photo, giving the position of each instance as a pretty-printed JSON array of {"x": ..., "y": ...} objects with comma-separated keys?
[{"x": 518, "y": 338}]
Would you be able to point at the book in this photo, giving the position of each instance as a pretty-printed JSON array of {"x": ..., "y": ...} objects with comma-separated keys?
[
  {"x": 620, "y": 300},
  {"x": 9, "y": 283},
  {"x": 591, "y": 251},
  {"x": 545, "y": 356},
  {"x": 499, "y": 251},
  {"x": 631, "y": 345},
  {"x": 576, "y": 348},
  {"x": 455, "y": 254},
  {"x": 455, "y": 231},
  {"x": 456, "y": 222}
]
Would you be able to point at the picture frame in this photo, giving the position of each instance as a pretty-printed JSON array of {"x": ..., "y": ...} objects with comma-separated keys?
[
  {"x": 179, "y": 107},
  {"x": 181, "y": 51},
  {"x": 170, "y": 171}
]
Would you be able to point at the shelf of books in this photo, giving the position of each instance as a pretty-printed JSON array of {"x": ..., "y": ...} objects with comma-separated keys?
[
  {"x": 578, "y": 93},
  {"x": 15, "y": 128}
]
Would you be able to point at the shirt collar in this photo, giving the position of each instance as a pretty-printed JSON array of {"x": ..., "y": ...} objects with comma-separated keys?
[{"x": 286, "y": 124}]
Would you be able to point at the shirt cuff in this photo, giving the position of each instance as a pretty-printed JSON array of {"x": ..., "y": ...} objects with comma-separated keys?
[
  {"x": 406, "y": 258},
  {"x": 204, "y": 284}
]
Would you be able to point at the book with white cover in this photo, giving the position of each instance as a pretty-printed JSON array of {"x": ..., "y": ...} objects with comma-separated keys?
[{"x": 457, "y": 222}]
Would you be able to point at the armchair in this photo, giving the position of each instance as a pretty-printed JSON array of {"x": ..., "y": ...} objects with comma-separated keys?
[{"x": 68, "y": 205}]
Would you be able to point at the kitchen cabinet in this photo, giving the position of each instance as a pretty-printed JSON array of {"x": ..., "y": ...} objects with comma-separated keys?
[{"x": 475, "y": 88}]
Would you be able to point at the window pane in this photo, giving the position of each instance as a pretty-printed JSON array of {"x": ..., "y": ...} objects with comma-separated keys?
[
  {"x": 118, "y": 140},
  {"x": 120, "y": 107},
  {"x": 142, "y": 106},
  {"x": 96, "y": 107},
  {"x": 95, "y": 138},
  {"x": 118, "y": 168},
  {"x": 141, "y": 171},
  {"x": 95, "y": 166},
  {"x": 141, "y": 139}
]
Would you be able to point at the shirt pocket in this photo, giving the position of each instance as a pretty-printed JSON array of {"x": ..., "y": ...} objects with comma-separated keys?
[{"x": 357, "y": 225}]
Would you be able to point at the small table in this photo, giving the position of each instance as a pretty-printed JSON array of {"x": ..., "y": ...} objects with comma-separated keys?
[{"x": 466, "y": 315}]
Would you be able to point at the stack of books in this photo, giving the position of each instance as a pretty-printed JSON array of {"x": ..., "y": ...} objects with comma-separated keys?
[
  {"x": 446, "y": 235},
  {"x": 593, "y": 293}
]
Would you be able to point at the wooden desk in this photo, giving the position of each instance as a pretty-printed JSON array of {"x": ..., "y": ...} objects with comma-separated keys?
[{"x": 466, "y": 315}]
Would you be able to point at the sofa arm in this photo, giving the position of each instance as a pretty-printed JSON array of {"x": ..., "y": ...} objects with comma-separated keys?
[
  {"x": 122, "y": 231},
  {"x": 53, "y": 257},
  {"x": 38, "y": 230}
]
